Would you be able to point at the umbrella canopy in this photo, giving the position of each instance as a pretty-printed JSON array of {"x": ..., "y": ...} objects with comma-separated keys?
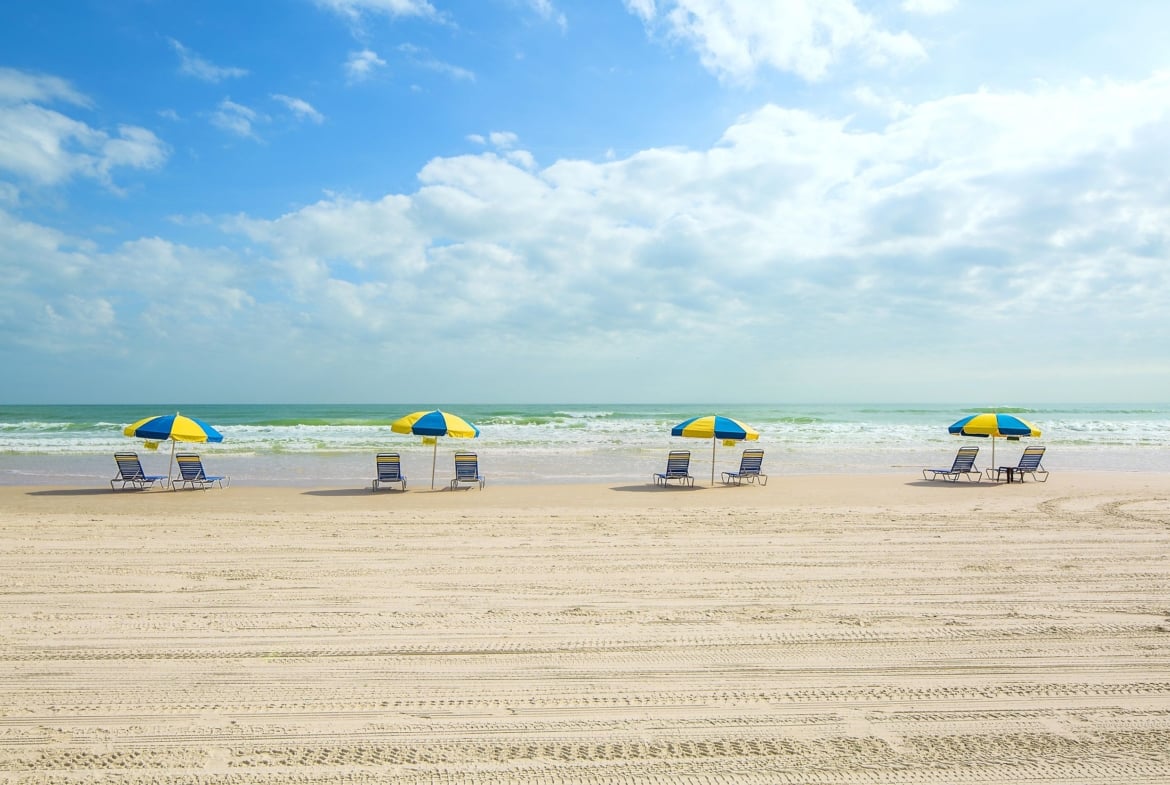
[
  {"x": 714, "y": 426},
  {"x": 176, "y": 427},
  {"x": 436, "y": 423},
  {"x": 996, "y": 425}
]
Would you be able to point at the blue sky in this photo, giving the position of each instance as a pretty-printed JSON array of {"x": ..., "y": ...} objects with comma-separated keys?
[{"x": 597, "y": 200}]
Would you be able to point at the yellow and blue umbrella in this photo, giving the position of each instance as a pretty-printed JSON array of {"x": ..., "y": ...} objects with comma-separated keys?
[
  {"x": 996, "y": 425},
  {"x": 714, "y": 426},
  {"x": 432, "y": 425},
  {"x": 176, "y": 427}
]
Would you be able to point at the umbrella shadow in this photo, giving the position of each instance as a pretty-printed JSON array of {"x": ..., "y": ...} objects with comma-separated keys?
[
  {"x": 656, "y": 488},
  {"x": 339, "y": 492},
  {"x": 946, "y": 484}
]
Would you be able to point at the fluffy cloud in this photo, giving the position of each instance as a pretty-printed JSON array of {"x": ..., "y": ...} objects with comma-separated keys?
[
  {"x": 192, "y": 64},
  {"x": 962, "y": 217},
  {"x": 301, "y": 108},
  {"x": 420, "y": 58},
  {"x": 929, "y": 7},
  {"x": 359, "y": 66},
  {"x": 236, "y": 119},
  {"x": 736, "y": 38},
  {"x": 44, "y": 146},
  {"x": 353, "y": 9},
  {"x": 547, "y": 11},
  {"x": 21, "y": 87},
  {"x": 856, "y": 223}
]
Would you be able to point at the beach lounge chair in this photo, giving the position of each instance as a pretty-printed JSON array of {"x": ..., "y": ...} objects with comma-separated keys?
[
  {"x": 192, "y": 475},
  {"x": 678, "y": 464},
  {"x": 467, "y": 470},
  {"x": 389, "y": 471},
  {"x": 130, "y": 473},
  {"x": 750, "y": 464},
  {"x": 1029, "y": 464},
  {"x": 964, "y": 466}
]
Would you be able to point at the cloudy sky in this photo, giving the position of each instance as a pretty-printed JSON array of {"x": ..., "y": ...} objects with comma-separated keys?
[{"x": 585, "y": 201}]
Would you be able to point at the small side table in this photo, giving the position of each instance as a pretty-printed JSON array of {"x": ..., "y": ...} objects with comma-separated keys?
[{"x": 1010, "y": 471}]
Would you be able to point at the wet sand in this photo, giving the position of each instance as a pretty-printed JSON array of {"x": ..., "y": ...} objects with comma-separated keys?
[{"x": 875, "y": 629}]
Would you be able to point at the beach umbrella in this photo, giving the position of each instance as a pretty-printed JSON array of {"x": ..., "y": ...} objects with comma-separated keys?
[
  {"x": 432, "y": 425},
  {"x": 714, "y": 426},
  {"x": 177, "y": 428},
  {"x": 996, "y": 425}
]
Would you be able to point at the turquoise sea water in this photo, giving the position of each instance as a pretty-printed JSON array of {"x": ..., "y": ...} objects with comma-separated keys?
[{"x": 333, "y": 445}]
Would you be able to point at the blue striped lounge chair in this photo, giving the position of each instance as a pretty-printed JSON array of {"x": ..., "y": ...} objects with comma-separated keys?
[
  {"x": 191, "y": 473},
  {"x": 678, "y": 467},
  {"x": 1029, "y": 464},
  {"x": 130, "y": 473},
  {"x": 750, "y": 465},
  {"x": 389, "y": 471},
  {"x": 964, "y": 466},
  {"x": 467, "y": 470}
]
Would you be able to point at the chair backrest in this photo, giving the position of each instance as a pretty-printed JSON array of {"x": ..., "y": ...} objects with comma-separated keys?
[
  {"x": 190, "y": 467},
  {"x": 1030, "y": 460},
  {"x": 751, "y": 462},
  {"x": 389, "y": 467},
  {"x": 466, "y": 465},
  {"x": 965, "y": 459},
  {"x": 129, "y": 467},
  {"x": 678, "y": 462}
]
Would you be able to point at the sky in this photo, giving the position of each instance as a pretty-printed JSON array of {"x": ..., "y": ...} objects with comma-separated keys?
[{"x": 583, "y": 201}]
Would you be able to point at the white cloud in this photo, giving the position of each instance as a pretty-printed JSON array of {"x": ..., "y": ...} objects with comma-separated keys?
[
  {"x": 134, "y": 147},
  {"x": 503, "y": 139},
  {"x": 737, "y": 38},
  {"x": 236, "y": 119},
  {"x": 21, "y": 87},
  {"x": 45, "y": 147},
  {"x": 642, "y": 8},
  {"x": 422, "y": 59},
  {"x": 79, "y": 300},
  {"x": 871, "y": 98},
  {"x": 522, "y": 158},
  {"x": 851, "y": 236},
  {"x": 795, "y": 243},
  {"x": 547, "y": 11},
  {"x": 360, "y": 65},
  {"x": 929, "y": 7},
  {"x": 301, "y": 108},
  {"x": 194, "y": 65},
  {"x": 353, "y": 9}
]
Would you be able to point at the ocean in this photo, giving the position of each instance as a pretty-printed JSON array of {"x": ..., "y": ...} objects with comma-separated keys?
[{"x": 315, "y": 445}]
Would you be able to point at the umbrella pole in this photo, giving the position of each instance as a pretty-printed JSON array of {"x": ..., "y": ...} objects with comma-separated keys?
[
  {"x": 434, "y": 457},
  {"x": 712, "y": 461},
  {"x": 171, "y": 465}
]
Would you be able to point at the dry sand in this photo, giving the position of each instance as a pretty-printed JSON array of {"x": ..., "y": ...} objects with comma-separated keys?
[{"x": 818, "y": 630}]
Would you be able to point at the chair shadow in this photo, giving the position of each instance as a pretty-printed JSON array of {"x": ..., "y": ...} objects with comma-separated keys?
[
  {"x": 947, "y": 483},
  {"x": 95, "y": 491}
]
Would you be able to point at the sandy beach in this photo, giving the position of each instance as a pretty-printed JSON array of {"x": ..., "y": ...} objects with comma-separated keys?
[{"x": 875, "y": 629}]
